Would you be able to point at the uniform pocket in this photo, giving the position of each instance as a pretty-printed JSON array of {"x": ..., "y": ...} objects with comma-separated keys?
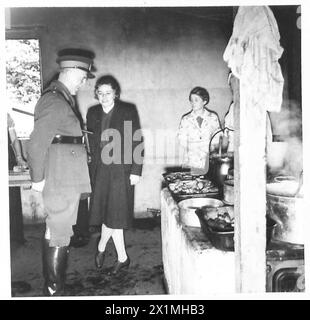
[{"x": 67, "y": 165}]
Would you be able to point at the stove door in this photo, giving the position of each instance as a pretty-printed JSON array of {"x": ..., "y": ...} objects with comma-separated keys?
[{"x": 285, "y": 276}]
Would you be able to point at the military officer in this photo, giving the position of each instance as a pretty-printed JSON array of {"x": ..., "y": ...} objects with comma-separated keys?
[{"x": 57, "y": 161}]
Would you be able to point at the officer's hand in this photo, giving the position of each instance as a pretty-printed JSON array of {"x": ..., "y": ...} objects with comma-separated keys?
[
  {"x": 134, "y": 179},
  {"x": 38, "y": 186}
]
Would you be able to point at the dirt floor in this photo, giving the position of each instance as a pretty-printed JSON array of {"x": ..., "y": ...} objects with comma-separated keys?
[{"x": 143, "y": 277}]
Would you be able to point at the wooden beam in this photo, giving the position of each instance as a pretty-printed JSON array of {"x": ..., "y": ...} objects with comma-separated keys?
[
  {"x": 235, "y": 11},
  {"x": 250, "y": 194}
]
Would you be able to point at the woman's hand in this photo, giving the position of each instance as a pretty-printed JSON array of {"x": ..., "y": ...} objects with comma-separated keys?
[
  {"x": 134, "y": 179},
  {"x": 21, "y": 162},
  {"x": 38, "y": 186}
]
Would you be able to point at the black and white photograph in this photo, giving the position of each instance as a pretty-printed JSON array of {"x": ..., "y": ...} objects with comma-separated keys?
[{"x": 154, "y": 150}]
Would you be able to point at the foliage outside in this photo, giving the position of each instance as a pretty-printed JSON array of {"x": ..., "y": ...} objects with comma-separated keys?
[{"x": 23, "y": 81}]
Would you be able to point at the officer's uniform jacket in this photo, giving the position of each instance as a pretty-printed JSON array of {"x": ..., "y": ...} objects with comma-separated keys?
[{"x": 63, "y": 166}]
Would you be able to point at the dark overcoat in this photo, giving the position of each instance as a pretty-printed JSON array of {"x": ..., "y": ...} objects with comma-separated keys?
[{"x": 112, "y": 200}]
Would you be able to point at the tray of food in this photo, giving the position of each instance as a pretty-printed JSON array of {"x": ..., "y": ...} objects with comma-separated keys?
[
  {"x": 177, "y": 176},
  {"x": 196, "y": 186}
]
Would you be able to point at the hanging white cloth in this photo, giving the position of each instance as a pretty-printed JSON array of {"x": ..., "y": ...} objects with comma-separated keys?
[{"x": 252, "y": 55}]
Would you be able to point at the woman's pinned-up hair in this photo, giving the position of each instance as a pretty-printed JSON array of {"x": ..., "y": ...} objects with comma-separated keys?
[
  {"x": 201, "y": 92},
  {"x": 108, "y": 80}
]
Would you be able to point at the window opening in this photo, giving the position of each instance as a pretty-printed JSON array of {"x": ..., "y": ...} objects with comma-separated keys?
[{"x": 23, "y": 82}]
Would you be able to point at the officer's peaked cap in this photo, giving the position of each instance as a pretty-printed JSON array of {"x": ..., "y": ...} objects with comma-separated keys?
[{"x": 75, "y": 58}]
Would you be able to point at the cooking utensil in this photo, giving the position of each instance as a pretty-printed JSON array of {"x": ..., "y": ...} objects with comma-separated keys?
[
  {"x": 219, "y": 167},
  {"x": 224, "y": 240},
  {"x": 228, "y": 191},
  {"x": 213, "y": 212},
  {"x": 300, "y": 184},
  {"x": 188, "y": 207},
  {"x": 286, "y": 206},
  {"x": 284, "y": 178},
  {"x": 286, "y": 188},
  {"x": 288, "y": 212},
  {"x": 180, "y": 175}
]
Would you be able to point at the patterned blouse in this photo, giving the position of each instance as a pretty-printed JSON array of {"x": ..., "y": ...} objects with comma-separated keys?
[{"x": 195, "y": 138}]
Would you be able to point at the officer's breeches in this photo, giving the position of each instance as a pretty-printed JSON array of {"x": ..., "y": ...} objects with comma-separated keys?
[{"x": 61, "y": 209}]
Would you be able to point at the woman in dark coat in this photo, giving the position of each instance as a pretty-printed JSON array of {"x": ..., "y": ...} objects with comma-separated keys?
[{"x": 117, "y": 153}]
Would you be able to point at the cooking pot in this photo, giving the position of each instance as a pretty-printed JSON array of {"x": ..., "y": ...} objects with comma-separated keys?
[
  {"x": 228, "y": 191},
  {"x": 287, "y": 210},
  {"x": 188, "y": 207},
  {"x": 219, "y": 167}
]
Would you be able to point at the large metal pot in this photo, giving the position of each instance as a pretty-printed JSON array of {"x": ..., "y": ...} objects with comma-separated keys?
[
  {"x": 188, "y": 207},
  {"x": 288, "y": 211}
]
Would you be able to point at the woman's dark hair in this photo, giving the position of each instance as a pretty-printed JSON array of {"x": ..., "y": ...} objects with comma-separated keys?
[
  {"x": 109, "y": 80},
  {"x": 201, "y": 92}
]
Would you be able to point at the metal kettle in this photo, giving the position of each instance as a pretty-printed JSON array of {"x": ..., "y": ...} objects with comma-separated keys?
[{"x": 220, "y": 162}]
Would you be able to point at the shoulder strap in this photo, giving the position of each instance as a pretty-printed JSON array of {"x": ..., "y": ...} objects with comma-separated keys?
[{"x": 55, "y": 89}]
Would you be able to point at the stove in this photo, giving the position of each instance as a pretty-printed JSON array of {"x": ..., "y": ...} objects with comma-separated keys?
[{"x": 285, "y": 267}]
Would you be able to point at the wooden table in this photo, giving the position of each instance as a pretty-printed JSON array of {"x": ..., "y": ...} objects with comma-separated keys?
[{"x": 18, "y": 179}]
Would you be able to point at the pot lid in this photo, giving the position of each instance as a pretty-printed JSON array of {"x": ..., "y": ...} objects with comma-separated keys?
[{"x": 284, "y": 188}]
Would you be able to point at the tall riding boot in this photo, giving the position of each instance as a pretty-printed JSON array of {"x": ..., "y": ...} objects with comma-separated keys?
[
  {"x": 54, "y": 269},
  {"x": 80, "y": 237}
]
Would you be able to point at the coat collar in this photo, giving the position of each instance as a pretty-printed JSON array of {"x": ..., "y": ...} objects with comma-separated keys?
[
  {"x": 58, "y": 86},
  {"x": 204, "y": 115},
  {"x": 98, "y": 111},
  {"x": 193, "y": 117}
]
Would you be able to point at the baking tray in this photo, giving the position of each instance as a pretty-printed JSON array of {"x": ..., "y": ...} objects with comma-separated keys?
[
  {"x": 189, "y": 187},
  {"x": 181, "y": 175}
]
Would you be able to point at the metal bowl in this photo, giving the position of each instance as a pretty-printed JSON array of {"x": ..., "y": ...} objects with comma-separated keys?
[
  {"x": 212, "y": 213},
  {"x": 188, "y": 207},
  {"x": 224, "y": 240}
]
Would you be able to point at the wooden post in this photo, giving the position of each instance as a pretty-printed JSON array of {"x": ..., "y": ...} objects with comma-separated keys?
[
  {"x": 250, "y": 194},
  {"x": 235, "y": 11}
]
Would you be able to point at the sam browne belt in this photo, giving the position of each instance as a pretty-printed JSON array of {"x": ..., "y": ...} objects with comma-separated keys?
[{"x": 67, "y": 139}]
